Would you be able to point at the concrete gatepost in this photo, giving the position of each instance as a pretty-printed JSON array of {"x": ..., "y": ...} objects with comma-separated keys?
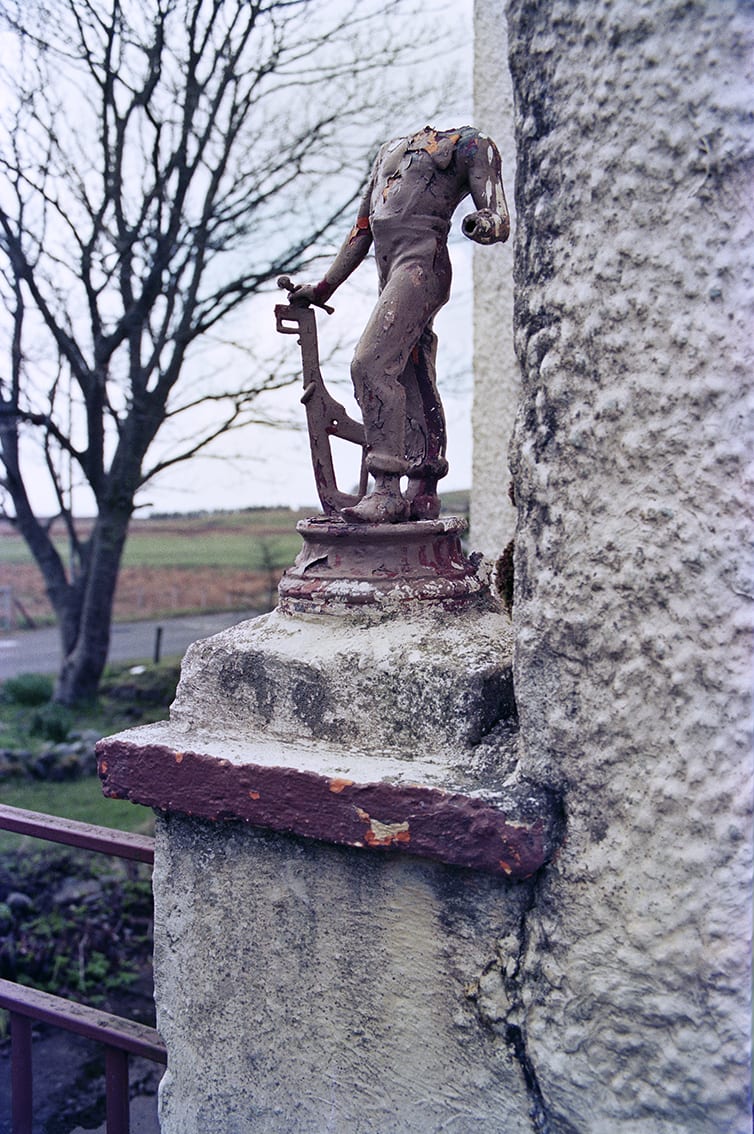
[
  {"x": 633, "y": 601},
  {"x": 345, "y": 854},
  {"x": 497, "y": 378}
]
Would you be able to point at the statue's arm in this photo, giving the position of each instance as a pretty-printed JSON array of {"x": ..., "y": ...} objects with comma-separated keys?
[
  {"x": 490, "y": 223},
  {"x": 351, "y": 253}
]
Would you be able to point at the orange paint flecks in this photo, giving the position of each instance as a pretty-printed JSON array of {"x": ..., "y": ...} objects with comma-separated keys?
[
  {"x": 397, "y": 833},
  {"x": 179, "y": 757},
  {"x": 362, "y": 225},
  {"x": 384, "y": 834},
  {"x": 337, "y": 785},
  {"x": 506, "y": 866},
  {"x": 515, "y": 855},
  {"x": 253, "y": 795},
  {"x": 103, "y": 766},
  {"x": 433, "y": 143}
]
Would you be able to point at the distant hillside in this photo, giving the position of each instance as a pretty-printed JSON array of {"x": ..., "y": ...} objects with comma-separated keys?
[{"x": 179, "y": 563}]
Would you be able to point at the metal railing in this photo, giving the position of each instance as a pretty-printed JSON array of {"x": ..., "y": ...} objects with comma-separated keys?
[{"x": 119, "y": 1037}]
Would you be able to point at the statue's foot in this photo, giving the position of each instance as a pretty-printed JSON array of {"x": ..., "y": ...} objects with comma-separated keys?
[
  {"x": 424, "y": 506},
  {"x": 378, "y": 508},
  {"x": 423, "y": 501}
]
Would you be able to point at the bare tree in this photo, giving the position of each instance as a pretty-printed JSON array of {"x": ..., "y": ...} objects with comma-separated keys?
[{"x": 161, "y": 164}]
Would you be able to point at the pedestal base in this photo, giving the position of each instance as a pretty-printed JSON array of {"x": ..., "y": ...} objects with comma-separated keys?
[
  {"x": 344, "y": 565},
  {"x": 303, "y": 988},
  {"x": 321, "y": 962},
  {"x": 397, "y": 735}
]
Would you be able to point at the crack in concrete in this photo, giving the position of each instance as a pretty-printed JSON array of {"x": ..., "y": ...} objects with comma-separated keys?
[
  {"x": 515, "y": 1029},
  {"x": 543, "y": 1120},
  {"x": 537, "y": 1111},
  {"x": 498, "y": 999}
]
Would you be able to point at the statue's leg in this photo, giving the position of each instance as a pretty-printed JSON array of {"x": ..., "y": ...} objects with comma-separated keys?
[
  {"x": 416, "y": 432},
  {"x": 427, "y": 462},
  {"x": 407, "y": 303}
]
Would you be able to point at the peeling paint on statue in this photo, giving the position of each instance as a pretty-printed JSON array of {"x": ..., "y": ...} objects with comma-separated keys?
[{"x": 415, "y": 186}]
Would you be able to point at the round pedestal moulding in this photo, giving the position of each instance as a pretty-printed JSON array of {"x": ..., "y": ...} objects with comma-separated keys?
[{"x": 345, "y": 565}]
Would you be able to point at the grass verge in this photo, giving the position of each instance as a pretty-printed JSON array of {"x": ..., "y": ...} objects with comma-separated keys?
[
  {"x": 71, "y": 922},
  {"x": 29, "y": 724}
]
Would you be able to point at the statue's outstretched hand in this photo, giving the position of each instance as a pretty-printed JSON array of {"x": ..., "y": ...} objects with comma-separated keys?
[
  {"x": 486, "y": 227},
  {"x": 305, "y": 295},
  {"x": 301, "y": 295}
]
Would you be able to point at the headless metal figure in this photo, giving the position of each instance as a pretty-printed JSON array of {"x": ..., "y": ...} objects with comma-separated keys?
[{"x": 414, "y": 188}]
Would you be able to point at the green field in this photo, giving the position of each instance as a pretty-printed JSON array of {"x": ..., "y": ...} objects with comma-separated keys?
[
  {"x": 178, "y": 564},
  {"x": 218, "y": 549},
  {"x": 78, "y": 799},
  {"x": 252, "y": 540},
  {"x": 26, "y": 717}
]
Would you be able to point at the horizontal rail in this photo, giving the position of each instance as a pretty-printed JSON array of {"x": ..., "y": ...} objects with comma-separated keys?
[
  {"x": 120, "y": 844},
  {"x": 113, "y": 1031}
]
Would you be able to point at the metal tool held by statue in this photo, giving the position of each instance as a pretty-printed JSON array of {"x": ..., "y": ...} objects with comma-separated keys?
[
  {"x": 288, "y": 285},
  {"x": 325, "y": 417}
]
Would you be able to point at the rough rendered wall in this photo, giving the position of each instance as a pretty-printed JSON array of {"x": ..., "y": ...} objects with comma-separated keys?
[
  {"x": 314, "y": 989},
  {"x": 633, "y": 585},
  {"x": 496, "y": 376}
]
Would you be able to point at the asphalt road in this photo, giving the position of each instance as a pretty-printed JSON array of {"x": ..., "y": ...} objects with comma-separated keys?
[{"x": 38, "y": 651}]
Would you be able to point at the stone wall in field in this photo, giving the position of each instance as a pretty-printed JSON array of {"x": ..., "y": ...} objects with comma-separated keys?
[{"x": 632, "y": 616}]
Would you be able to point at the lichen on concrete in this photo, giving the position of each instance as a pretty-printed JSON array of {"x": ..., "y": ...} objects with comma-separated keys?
[
  {"x": 338, "y": 1000},
  {"x": 416, "y": 682}
]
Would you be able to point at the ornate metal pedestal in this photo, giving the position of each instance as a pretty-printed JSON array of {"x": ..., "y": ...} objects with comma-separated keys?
[{"x": 345, "y": 565}]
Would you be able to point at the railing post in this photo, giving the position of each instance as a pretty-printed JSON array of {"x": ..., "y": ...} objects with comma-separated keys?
[
  {"x": 77, "y": 1018},
  {"x": 116, "y": 1091},
  {"x": 21, "y": 1075}
]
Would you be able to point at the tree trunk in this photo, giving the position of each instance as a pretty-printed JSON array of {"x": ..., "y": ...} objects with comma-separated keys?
[{"x": 85, "y": 655}]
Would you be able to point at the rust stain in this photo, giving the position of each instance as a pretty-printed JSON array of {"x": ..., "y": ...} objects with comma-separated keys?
[
  {"x": 103, "y": 766},
  {"x": 337, "y": 785},
  {"x": 396, "y": 833},
  {"x": 179, "y": 757},
  {"x": 253, "y": 795},
  {"x": 384, "y": 834},
  {"x": 361, "y": 226},
  {"x": 506, "y": 866}
]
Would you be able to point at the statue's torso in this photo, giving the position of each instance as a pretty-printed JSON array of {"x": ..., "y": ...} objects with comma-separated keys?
[{"x": 418, "y": 176}]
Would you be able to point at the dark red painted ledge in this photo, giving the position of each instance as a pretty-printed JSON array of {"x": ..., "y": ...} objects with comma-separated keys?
[{"x": 447, "y": 826}]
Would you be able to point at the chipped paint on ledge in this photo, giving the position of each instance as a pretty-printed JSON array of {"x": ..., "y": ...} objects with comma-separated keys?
[
  {"x": 381, "y": 834},
  {"x": 447, "y": 826}
]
